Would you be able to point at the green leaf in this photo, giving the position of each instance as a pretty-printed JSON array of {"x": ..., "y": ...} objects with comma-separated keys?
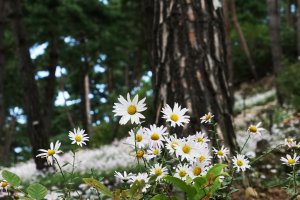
[
  {"x": 37, "y": 191},
  {"x": 98, "y": 186},
  {"x": 163, "y": 197},
  {"x": 136, "y": 188},
  {"x": 181, "y": 185},
  {"x": 200, "y": 182},
  {"x": 11, "y": 178},
  {"x": 216, "y": 170}
]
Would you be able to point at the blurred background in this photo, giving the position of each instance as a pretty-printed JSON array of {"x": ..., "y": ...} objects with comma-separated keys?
[{"x": 63, "y": 63}]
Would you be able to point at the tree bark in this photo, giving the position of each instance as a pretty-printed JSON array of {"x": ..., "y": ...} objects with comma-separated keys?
[
  {"x": 242, "y": 39},
  {"x": 298, "y": 29},
  {"x": 274, "y": 30},
  {"x": 35, "y": 126},
  {"x": 189, "y": 62},
  {"x": 2, "y": 26}
]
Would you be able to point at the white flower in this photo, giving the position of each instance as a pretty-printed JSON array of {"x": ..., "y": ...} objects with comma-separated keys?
[
  {"x": 290, "y": 161},
  {"x": 78, "y": 137},
  {"x": 197, "y": 170},
  {"x": 255, "y": 129},
  {"x": 141, "y": 177},
  {"x": 207, "y": 118},
  {"x": 51, "y": 153},
  {"x": 217, "y": 4},
  {"x": 158, "y": 171},
  {"x": 291, "y": 143},
  {"x": 182, "y": 171},
  {"x": 155, "y": 135},
  {"x": 139, "y": 138},
  {"x": 129, "y": 110},
  {"x": 240, "y": 162},
  {"x": 203, "y": 156},
  {"x": 176, "y": 115},
  {"x": 201, "y": 137},
  {"x": 153, "y": 152},
  {"x": 124, "y": 177},
  {"x": 221, "y": 153},
  {"x": 4, "y": 185},
  {"x": 186, "y": 149},
  {"x": 172, "y": 143}
]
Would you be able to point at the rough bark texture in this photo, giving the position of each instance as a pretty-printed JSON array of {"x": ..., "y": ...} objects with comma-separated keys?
[
  {"x": 31, "y": 97},
  {"x": 274, "y": 24},
  {"x": 189, "y": 62},
  {"x": 242, "y": 39}
]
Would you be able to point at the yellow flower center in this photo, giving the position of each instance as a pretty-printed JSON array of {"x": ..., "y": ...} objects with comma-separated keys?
[
  {"x": 182, "y": 173},
  {"x": 158, "y": 171},
  {"x": 289, "y": 140},
  {"x": 51, "y": 152},
  {"x": 291, "y": 161},
  {"x": 154, "y": 136},
  {"x": 201, "y": 158},
  {"x": 140, "y": 153},
  {"x": 220, "y": 153},
  {"x": 186, "y": 149},
  {"x": 174, "y": 144},
  {"x": 174, "y": 117},
  {"x": 253, "y": 129},
  {"x": 4, "y": 184},
  {"x": 131, "y": 110},
  {"x": 239, "y": 163},
  {"x": 138, "y": 137},
  {"x": 207, "y": 117},
  {"x": 78, "y": 138},
  {"x": 200, "y": 139},
  {"x": 197, "y": 171},
  {"x": 156, "y": 151}
]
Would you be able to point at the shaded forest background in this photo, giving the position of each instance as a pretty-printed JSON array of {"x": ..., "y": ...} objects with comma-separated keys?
[{"x": 84, "y": 54}]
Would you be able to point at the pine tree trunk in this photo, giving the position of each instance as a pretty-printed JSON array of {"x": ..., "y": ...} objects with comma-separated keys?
[
  {"x": 274, "y": 24},
  {"x": 32, "y": 104},
  {"x": 189, "y": 62},
  {"x": 242, "y": 39}
]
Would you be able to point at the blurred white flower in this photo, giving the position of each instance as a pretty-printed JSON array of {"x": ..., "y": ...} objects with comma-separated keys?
[
  {"x": 176, "y": 115},
  {"x": 51, "y": 153},
  {"x": 290, "y": 161},
  {"x": 255, "y": 129},
  {"x": 207, "y": 118},
  {"x": 78, "y": 137},
  {"x": 240, "y": 162}
]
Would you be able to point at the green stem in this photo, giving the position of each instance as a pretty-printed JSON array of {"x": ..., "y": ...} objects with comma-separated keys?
[
  {"x": 245, "y": 143},
  {"x": 263, "y": 155},
  {"x": 294, "y": 177}
]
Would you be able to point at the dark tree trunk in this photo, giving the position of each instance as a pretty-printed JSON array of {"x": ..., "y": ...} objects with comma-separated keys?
[
  {"x": 189, "y": 62},
  {"x": 242, "y": 39},
  {"x": 2, "y": 26},
  {"x": 49, "y": 92},
  {"x": 32, "y": 104},
  {"x": 298, "y": 28},
  {"x": 274, "y": 24}
]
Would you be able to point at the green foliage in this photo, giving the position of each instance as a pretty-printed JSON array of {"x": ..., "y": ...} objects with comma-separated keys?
[
  {"x": 163, "y": 197},
  {"x": 37, "y": 191},
  {"x": 289, "y": 84},
  {"x": 98, "y": 186},
  {"x": 11, "y": 178}
]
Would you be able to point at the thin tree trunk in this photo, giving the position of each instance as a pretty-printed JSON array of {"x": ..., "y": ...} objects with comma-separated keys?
[
  {"x": 35, "y": 126},
  {"x": 189, "y": 62},
  {"x": 274, "y": 24},
  {"x": 2, "y": 26},
  {"x": 298, "y": 28},
  {"x": 242, "y": 39}
]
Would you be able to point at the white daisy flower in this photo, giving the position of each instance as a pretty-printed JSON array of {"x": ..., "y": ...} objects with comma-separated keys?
[
  {"x": 201, "y": 137},
  {"x": 207, "y": 118},
  {"x": 4, "y": 186},
  {"x": 78, "y": 137},
  {"x": 203, "y": 156},
  {"x": 221, "y": 153},
  {"x": 153, "y": 152},
  {"x": 130, "y": 109},
  {"x": 176, "y": 115},
  {"x": 158, "y": 171},
  {"x": 155, "y": 135},
  {"x": 290, "y": 143},
  {"x": 139, "y": 138},
  {"x": 198, "y": 170},
  {"x": 186, "y": 149},
  {"x": 141, "y": 177},
  {"x": 171, "y": 143},
  {"x": 139, "y": 153},
  {"x": 182, "y": 171},
  {"x": 124, "y": 177},
  {"x": 240, "y": 162},
  {"x": 255, "y": 129},
  {"x": 51, "y": 153},
  {"x": 290, "y": 161}
]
